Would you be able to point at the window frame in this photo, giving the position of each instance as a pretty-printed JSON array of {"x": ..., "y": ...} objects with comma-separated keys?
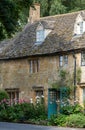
[
  {"x": 40, "y": 35},
  {"x": 13, "y": 94},
  {"x": 33, "y": 66},
  {"x": 39, "y": 93},
  {"x": 63, "y": 60},
  {"x": 81, "y": 27},
  {"x": 83, "y": 52},
  {"x": 83, "y": 94}
]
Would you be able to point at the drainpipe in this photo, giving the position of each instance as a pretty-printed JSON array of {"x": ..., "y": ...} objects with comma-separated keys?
[{"x": 74, "y": 78}]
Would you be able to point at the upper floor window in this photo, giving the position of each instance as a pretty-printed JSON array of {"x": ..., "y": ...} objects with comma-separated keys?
[
  {"x": 83, "y": 95},
  {"x": 34, "y": 66},
  {"x": 81, "y": 27},
  {"x": 40, "y": 34},
  {"x": 83, "y": 58},
  {"x": 63, "y": 60}
]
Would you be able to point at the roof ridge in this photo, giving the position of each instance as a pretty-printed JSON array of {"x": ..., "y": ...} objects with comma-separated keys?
[{"x": 57, "y": 15}]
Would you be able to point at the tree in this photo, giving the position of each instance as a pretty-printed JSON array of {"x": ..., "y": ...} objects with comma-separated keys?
[
  {"x": 10, "y": 11},
  {"x": 57, "y": 8}
]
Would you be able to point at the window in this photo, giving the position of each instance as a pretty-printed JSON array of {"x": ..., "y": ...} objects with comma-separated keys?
[
  {"x": 40, "y": 34},
  {"x": 63, "y": 60},
  {"x": 83, "y": 58},
  {"x": 81, "y": 27},
  {"x": 39, "y": 93},
  {"x": 13, "y": 94},
  {"x": 83, "y": 95},
  {"x": 33, "y": 66}
]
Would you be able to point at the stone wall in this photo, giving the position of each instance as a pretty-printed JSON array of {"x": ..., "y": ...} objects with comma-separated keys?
[{"x": 15, "y": 74}]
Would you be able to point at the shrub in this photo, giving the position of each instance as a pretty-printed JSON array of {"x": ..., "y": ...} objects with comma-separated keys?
[
  {"x": 21, "y": 111},
  {"x": 3, "y": 95},
  {"x": 67, "y": 110},
  {"x": 59, "y": 120},
  {"x": 72, "y": 109},
  {"x": 76, "y": 120}
]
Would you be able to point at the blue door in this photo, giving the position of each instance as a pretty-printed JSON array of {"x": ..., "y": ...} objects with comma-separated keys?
[{"x": 52, "y": 106}]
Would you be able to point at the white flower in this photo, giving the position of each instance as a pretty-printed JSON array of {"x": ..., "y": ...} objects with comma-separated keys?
[
  {"x": 42, "y": 96},
  {"x": 31, "y": 100},
  {"x": 37, "y": 97}
]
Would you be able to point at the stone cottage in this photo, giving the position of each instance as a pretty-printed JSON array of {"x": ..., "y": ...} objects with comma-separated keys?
[{"x": 30, "y": 61}]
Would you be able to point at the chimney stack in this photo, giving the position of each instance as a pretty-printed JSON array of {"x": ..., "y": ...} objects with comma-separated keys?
[{"x": 34, "y": 13}]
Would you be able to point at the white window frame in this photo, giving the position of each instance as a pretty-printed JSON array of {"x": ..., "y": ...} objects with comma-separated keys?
[
  {"x": 83, "y": 58},
  {"x": 63, "y": 60},
  {"x": 81, "y": 27},
  {"x": 40, "y": 35}
]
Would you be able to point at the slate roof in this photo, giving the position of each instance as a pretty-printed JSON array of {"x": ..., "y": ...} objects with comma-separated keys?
[{"x": 59, "y": 40}]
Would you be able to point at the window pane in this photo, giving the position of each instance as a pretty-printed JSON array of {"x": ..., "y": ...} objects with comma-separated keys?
[
  {"x": 30, "y": 66},
  {"x": 40, "y": 35},
  {"x": 13, "y": 94},
  {"x": 65, "y": 60},
  {"x": 61, "y": 60},
  {"x": 39, "y": 93},
  {"x": 81, "y": 27},
  {"x": 84, "y": 95},
  {"x": 83, "y": 58},
  {"x": 34, "y": 66}
]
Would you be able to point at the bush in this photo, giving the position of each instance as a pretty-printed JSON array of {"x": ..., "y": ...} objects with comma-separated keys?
[
  {"x": 72, "y": 109},
  {"x": 3, "y": 95},
  {"x": 76, "y": 120},
  {"x": 59, "y": 120},
  {"x": 22, "y": 111}
]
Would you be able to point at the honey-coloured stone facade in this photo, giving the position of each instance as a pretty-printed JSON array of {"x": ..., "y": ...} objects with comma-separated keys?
[{"x": 15, "y": 74}]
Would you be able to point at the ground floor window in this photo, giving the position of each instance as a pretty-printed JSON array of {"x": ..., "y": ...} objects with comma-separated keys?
[
  {"x": 13, "y": 94},
  {"x": 39, "y": 93}
]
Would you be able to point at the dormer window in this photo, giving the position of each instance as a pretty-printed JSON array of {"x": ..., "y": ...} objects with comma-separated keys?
[
  {"x": 40, "y": 34},
  {"x": 79, "y": 27}
]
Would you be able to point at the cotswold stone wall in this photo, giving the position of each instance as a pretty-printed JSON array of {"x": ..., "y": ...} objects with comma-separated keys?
[{"x": 15, "y": 74}]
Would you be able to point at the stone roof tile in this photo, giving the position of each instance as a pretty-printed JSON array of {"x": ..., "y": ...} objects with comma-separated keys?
[{"x": 59, "y": 40}]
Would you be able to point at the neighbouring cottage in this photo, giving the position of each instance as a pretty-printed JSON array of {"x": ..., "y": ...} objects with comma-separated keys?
[{"x": 30, "y": 62}]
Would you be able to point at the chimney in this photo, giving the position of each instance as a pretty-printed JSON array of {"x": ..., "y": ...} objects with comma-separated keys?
[{"x": 34, "y": 13}]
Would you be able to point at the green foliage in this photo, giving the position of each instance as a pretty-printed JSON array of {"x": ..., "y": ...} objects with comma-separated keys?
[
  {"x": 52, "y": 7},
  {"x": 14, "y": 13},
  {"x": 76, "y": 120},
  {"x": 10, "y": 15},
  {"x": 22, "y": 111},
  {"x": 72, "y": 120},
  {"x": 72, "y": 109},
  {"x": 3, "y": 95},
  {"x": 57, "y": 7},
  {"x": 58, "y": 120},
  {"x": 78, "y": 75},
  {"x": 64, "y": 79}
]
